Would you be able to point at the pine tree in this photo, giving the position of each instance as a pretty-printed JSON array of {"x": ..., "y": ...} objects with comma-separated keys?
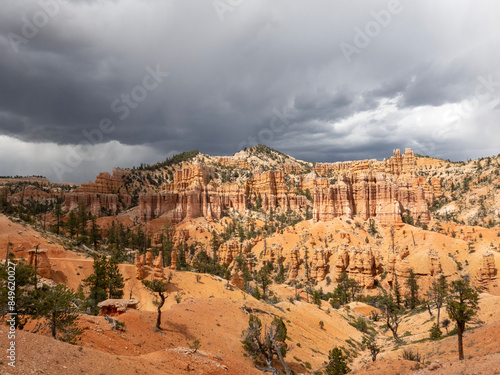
[
  {"x": 462, "y": 307},
  {"x": 59, "y": 309},
  {"x": 97, "y": 283},
  {"x": 215, "y": 243},
  {"x": 412, "y": 285},
  {"x": 105, "y": 282},
  {"x": 437, "y": 294},
  {"x": 58, "y": 213},
  {"x": 159, "y": 287},
  {"x": 114, "y": 279},
  {"x": 337, "y": 364},
  {"x": 263, "y": 278},
  {"x": 82, "y": 222},
  {"x": 397, "y": 292},
  {"x": 392, "y": 314},
  {"x": 95, "y": 235},
  {"x": 17, "y": 299},
  {"x": 167, "y": 241},
  {"x": 265, "y": 345},
  {"x": 72, "y": 224}
]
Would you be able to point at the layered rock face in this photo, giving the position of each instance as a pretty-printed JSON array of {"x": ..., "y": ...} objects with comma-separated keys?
[
  {"x": 397, "y": 265},
  {"x": 487, "y": 271},
  {"x": 362, "y": 265},
  {"x": 194, "y": 194},
  {"x": 104, "y": 183},
  {"x": 382, "y": 190},
  {"x": 101, "y": 197},
  {"x": 295, "y": 263},
  {"x": 435, "y": 267},
  {"x": 229, "y": 250},
  {"x": 319, "y": 266},
  {"x": 272, "y": 254}
]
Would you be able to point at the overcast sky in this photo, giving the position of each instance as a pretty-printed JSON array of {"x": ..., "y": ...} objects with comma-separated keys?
[{"x": 88, "y": 85}]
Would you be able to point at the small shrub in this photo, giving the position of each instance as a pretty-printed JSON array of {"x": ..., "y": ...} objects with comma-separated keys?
[
  {"x": 410, "y": 355},
  {"x": 178, "y": 298},
  {"x": 435, "y": 333},
  {"x": 195, "y": 345}
]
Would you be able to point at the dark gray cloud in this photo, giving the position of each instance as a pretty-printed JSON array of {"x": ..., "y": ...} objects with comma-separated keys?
[{"x": 267, "y": 72}]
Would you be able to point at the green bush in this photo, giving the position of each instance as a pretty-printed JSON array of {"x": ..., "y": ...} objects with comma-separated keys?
[{"x": 435, "y": 333}]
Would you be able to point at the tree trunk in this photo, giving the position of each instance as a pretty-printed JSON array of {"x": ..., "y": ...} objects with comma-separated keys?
[
  {"x": 460, "y": 342},
  {"x": 53, "y": 324},
  {"x": 439, "y": 313},
  {"x": 158, "y": 319},
  {"x": 282, "y": 360}
]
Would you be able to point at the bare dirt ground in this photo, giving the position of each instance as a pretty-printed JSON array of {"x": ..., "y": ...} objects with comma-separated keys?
[{"x": 210, "y": 312}]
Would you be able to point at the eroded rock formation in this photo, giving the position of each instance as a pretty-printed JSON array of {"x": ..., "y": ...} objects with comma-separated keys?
[
  {"x": 295, "y": 263},
  {"x": 229, "y": 250},
  {"x": 237, "y": 279},
  {"x": 320, "y": 266},
  {"x": 101, "y": 197},
  {"x": 116, "y": 306},
  {"x": 139, "y": 266},
  {"x": 434, "y": 263},
  {"x": 149, "y": 257},
  {"x": 272, "y": 254},
  {"x": 158, "y": 266},
  {"x": 487, "y": 270},
  {"x": 43, "y": 267},
  {"x": 371, "y": 189},
  {"x": 397, "y": 265},
  {"x": 361, "y": 264}
]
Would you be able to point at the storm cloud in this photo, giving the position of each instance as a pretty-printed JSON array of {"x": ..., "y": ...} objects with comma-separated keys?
[{"x": 169, "y": 76}]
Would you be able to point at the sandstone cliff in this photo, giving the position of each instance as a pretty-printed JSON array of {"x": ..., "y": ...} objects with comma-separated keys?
[
  {"x": 102, "y": 197},
  {"x": 383, "y": 190}
]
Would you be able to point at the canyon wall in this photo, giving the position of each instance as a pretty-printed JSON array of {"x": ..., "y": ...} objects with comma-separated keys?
[
  {"x": 370, "y": 189},
  {"x": 195, "y": 193},
  {"x": 102, "y": 197}
]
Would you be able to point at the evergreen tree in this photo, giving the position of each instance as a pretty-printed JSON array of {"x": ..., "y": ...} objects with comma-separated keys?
[
  {"x": 215, "y": 244},
  {"x": 265, "y": 345},
  {"x": 337, "y": 364},
  {"x": 392, "y": 314},
  {"x": 95, "y": 235},
  {"x": 82, "y": 218},
  {"x": 181, "y": 256},
  {"x": 72, "y": 224},
  {"x": 397, "y": 292},
  {"x": 105, "y": 282},
  {"x": 412, "y": 285},
  {"x": 114, "y": 279},
  {"x": 437, "y": 294},
  {"x": 97, "y": 284},
  {"x": 159, "y": 287},
  {"x": 263, "y": 278},
  {"x": 57, "y": 306},
  {"x": 167, "y": 241},
  {"x": 462, "y": 307},
  {"x": 371, "y": 344},
  {"x": 345, "y": 291},
  {"x": 15, "y": 298},
  {"x": 58, "y": 214}
]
